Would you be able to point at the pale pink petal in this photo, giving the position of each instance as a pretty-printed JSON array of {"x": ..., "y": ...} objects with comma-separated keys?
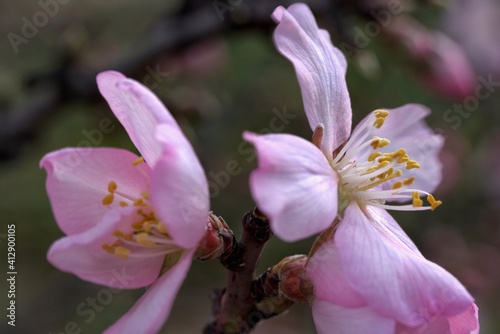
[
  {"x": 151, "y": 311},
  {"x": 435, "y": 325},
  {"x": 380, "y": 263},
  {"x": 82, "y": 254},
  {"x": 179, "y": 188},
  {"x": 294, "y": 185},
  {"x": 77, "y": 181},
  {"x": 320, "y": 69},
  {"x": 466, "y": 322},
  {"x": 330, "y": 318},
  {"x": 330, "y": 284},
  {"x": 138, "y": 109},
  {"x": 405, "y": 128}
]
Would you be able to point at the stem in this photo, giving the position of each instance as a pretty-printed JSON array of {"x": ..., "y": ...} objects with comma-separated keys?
[{"x": 234, "y": 309}]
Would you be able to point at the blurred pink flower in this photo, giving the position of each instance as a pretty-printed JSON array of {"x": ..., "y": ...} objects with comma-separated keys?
[
  {"x": 129, "y": 219},
  {"x": 475, "y": 25},
  {"x": 441, "y": 64},
  {"x": 369, "y": 276}
]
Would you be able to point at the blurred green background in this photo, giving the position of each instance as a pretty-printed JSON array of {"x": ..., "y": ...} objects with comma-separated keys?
[{"x": 217, "y": 88}]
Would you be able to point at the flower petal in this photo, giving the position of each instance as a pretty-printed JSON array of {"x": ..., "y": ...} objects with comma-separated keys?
[
  {"x": 466, "y": 322},
  {"x": 436, "y": 325},
  {"x": 330, "y": 284},
  {"x": 138, "y": 109},
  {"x": 380, "y": 263},
  {"x": 294, "y": 185},
  {"x": 77, "y": 182},
  {"x": 405, "y": 128},
  {"x": 320, "y": 69},
  {"x": 179, "y": 188},
  {"x": 82, "y": 254},
  {"x": 330, "y": 318},
  {"x": 150, "y": 312}
]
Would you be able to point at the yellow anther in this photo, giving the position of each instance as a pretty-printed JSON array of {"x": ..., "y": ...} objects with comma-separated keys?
[
  {"x": 138, "y": 161},
  {"x": 143, "y": 239},
  {"x": 435, "y": 205},
  {"x": 139, "y": 202},
  {"x": 122, "y": 252},
  {"x": 379, "y": 142},
  {"x": 121, "y": 235},
  {"x": 374, "y": 156},
  {"x": 433, "y": 202},
  {"x": 403, "y": 159},
  {"x": 409, "y": 181},
  {"x": 116, "y": 244},
  {"x": 145, "y": 194},
  {"x": 385, "y": 158},
  {"x": 399, "y": 153},
  {"x": 108, "y": 248},
  {"x": 379, "y": 121},
  {"x": 412, "y": 164},
  {"x": 137, "y": 225},
  {"x": 383, "y": 164},
  {"x": 431, "y": 199},
  {"x": 108, "y": 199},
  {"x": 112, "y": 186},
  {"x": 381, "y": 113},
  {"x": 397, "y": 185},
  {"x": 386, "y": 174},
  {"x": 161, "y": 228},
  {"x": 148, "y": 225},
  {"x": 123, "y": 204},
  {"x": 417, "y": 202}
]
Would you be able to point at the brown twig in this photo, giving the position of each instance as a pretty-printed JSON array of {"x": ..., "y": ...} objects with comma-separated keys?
[{"x": 235, "y": 309}]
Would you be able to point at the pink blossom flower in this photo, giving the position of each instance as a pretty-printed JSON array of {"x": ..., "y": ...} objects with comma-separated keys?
[
  {"x": 128, "y": 219},
  {"x": 369, "y": 276}
]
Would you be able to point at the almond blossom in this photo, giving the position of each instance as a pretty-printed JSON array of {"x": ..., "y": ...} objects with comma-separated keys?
[
  {"x": 130, "y": 221},
  {"x": 369, "y": 277}
]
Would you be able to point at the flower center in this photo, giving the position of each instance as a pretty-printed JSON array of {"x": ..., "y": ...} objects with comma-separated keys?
[
  {"x": 372, "y": 177},
  {"x": 147, "y": 235}
]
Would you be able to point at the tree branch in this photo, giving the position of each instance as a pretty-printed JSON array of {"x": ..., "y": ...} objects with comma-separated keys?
[{"x": 234, "y": 308}]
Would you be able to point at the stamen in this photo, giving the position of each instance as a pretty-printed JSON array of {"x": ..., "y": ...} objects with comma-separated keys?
[
  {"x": 145, "y": 194},
  {"x": 161, "y": 228},
  {"x": 123, "y": 204},
  {"x": 108, "y": 199},
  {"x": 381, "y": 113},
  {"x": 121, "y": 235},
  {"x": 108, "y": 248},
  {"x": 138, "y": 161},
  {"x": 417, "y": 202},
  {"x": 139, "y": 202},
  {"x": 409, "y": 181},
  {"x": 142, "y": 238},
  {"x": 379, "y": 142},
  {"x": 433, "y": 202},
  {"x": 122, "y": 252},
  {"x": 112, "y": 186},
  {"x": 374, "y": 156},
  {"x": 412, "y": 164},
  {"x": 397, "y": 185}
]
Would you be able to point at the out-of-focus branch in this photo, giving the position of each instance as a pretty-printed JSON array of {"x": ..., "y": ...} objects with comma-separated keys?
[{"x": 196, "y": 21}]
